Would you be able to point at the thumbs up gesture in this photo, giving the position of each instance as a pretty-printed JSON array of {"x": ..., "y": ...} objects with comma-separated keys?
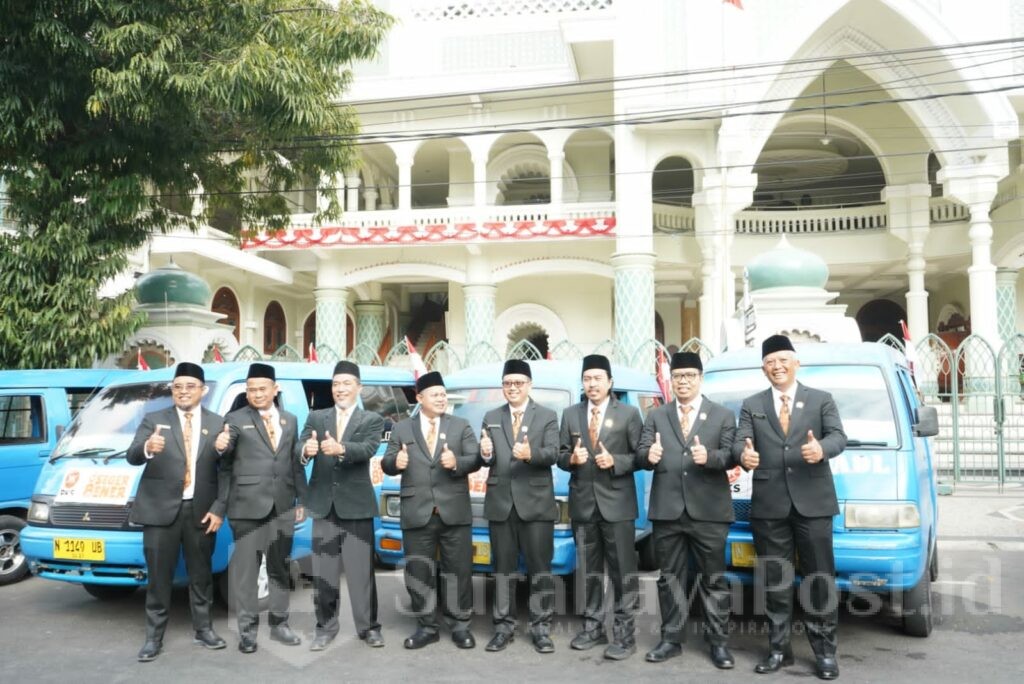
[
  {"x": 579, "y": 453},
  {"x": 331, "y": 446},
  {"x": 521, "y": 449},
  {"x": 486, "y": 445},
  {"x": 699, "y": 452},
  {"x": 654, "y": 455},
  {"x": 155, "y": 443},
  {"x": 223, "y": 440},
  {"x": 603, "y": 459},
  {"x": 402, "y": 462},
  {"x": 448, "y": 458},
  {"x": 749, "y": 458},
  {"x": 311, "y": 445},
  {"x": 811, "y": 451}
]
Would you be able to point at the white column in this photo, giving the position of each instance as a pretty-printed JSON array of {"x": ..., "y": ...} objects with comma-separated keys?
[
  {"x": 555, "y": 160},
  {"x": 910, "y": 220},
  {"x": 370, "y": 198},
  {"x": 404, "y": 162},
  {"x": 480, "y": 178},
  {"x": 1006, "y": 302},
  {"x": 352, "y": 182}
]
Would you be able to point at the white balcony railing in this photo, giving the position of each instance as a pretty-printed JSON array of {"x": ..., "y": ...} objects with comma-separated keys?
[
  {"x": 948, "y": 211},
  {"x": 432, "y": 10},
  {"x": 673, "y": 219},
  {"x": 799, "y": 221}
]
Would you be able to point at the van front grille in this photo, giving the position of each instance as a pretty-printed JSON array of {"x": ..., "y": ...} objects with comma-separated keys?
[{"x": 88, "y": 515}]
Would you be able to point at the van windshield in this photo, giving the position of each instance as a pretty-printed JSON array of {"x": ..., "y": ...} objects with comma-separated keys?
[
  {"x": 107, "y": 424},
  {"x": 860, "y": 392},
  {"x": 473, "y": 403}
]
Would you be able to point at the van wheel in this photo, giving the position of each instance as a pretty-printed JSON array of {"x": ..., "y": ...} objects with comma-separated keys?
[
  {"x": 933, "y": 566},
  {"x": 13, "y": 566},
  {"x": 110, "y": 592},
  {"x": 917, "y": 607},
  {"x": 262, "y": 587}
]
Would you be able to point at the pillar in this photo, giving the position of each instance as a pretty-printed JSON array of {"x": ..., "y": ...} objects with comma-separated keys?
[
  {"x": 634, "y": 305},
  {"x": 909, "y": 218},
  {"x": 352, "y": 182},
  {"x": 371, "y": 323},
  {"x": 1006, "y": 302},
  {"x": 478, "y": 305}
]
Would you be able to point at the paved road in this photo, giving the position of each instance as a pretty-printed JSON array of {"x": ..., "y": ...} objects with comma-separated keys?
[{"x": 53, "y": 632}]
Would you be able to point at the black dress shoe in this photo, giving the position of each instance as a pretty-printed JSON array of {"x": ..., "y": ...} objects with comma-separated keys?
[
  {"x": 774, "y": 662},
  {"x": 284, "y": 634},
  {"x": 587, "y": 640},
  {"x": 542, "y": 643},
  {"x": 463, "y": 639},
  {"x": 373, "y": 638},
  {"x": 209, "y": 639},
  {"x": 421, "y": 638},
  {"x": 149, "y": 651},
  {"x": 320, "y": 642},
  {"x": 499, "y": 641},
  {"x": 247, "y": 644},
  {"x": 826, "y": 667},
  {"x": 619, "y": 650},
  {"x": 663, "y": 651},
  {"x": 722, "y": 658}
]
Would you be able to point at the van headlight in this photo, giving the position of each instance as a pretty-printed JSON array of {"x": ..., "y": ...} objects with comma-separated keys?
[
  {"x": 39, "y": 512},
  {"x": 894, "y": 516},
  {"x": 390, "y": 506},
  {"x": 563, "y": 522}
]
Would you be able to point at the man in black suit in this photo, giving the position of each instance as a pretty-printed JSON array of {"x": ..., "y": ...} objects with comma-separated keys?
[
  {"x": 434, "y": 452},
  {"x": 176, "y": 504},
  {"x": 598, "y": 443},
  {"x": 786, "y": 435},
  {"x": 688, "y": 445},
  {"x": 265, "y": 481},
  {"x": 340, "y": 441},
  {"x": 519, "y": 442}
]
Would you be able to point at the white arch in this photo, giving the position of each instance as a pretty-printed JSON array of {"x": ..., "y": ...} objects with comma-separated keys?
[
  {"x": 404, "y": 270},
  {"x": 528, "y": 157},
  {"x": 515, "y": 316},
  {"x": 567, "y": 266},
  {"x": 837, "y": 121}
]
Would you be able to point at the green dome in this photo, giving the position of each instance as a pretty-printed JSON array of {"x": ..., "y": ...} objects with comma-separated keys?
[
  {"x": 787, "y": 266},
  {"x": 172, "y": 285}
]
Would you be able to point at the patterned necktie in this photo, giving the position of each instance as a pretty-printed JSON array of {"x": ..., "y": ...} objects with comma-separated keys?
[
  {"x": 432, "y": 437},
  {"x": 517, "y": 421},
  {"x": 187, "y": 434},
  {"x": 595, "y": 426},
  {"x": 342, "y": 423},
  {"x": 784, "y": 414},
  {"x": 684, "y": 421},
  {"x": 268, "y": 421}
]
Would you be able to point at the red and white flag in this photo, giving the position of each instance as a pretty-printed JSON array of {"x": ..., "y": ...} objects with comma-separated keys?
[
  {"x": 313, "y": 358},
  {"x": 909, "y": 350},
  {"x": 140, "y": 363},
  {"x": 663, "y": 374},
  {"x": 549, "y": 356},
  {"x": 418, "y": 367},
  {"x": 217, "y": 358}
]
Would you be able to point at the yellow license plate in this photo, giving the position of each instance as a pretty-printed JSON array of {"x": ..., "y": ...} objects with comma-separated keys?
[
  {"x": 482, "y": 553},
  {"x": 743, "y": 555},
  {"x": 79, "y": 549}
]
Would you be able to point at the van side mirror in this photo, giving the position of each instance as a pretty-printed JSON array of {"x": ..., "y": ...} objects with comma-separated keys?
[{"x": 927, "y": 424}]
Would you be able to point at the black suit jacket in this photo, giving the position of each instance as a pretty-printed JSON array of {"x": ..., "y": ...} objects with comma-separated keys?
[
  {"x": 345, "y": 483},
  {"x": 510, "y": 481},
  {"x": 612, "y": 492},
  {"x": 783, "y": 478},
  {"x": 158, "y": 498},
  {"x": 258, "y": 477},
  {"x": 427, "y": 484},
  {"x": 680, "y": 484}
]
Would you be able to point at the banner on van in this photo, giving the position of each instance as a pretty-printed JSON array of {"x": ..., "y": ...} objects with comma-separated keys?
[{"x": 110, "y": 486}]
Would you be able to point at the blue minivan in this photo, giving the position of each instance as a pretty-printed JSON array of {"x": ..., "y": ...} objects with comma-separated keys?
[
  {"x": 472, "y": 392},
  {"x": 885, "y": 533},
  {"x": 78, "y": 524},
  {"x": 35, "y": 408}
]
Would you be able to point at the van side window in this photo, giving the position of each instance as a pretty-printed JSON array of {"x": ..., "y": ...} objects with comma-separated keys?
[
  {"x": 648, "y": 402},
  {"x": 77, "y": 398},
  {"x": 21, "y": 419}
]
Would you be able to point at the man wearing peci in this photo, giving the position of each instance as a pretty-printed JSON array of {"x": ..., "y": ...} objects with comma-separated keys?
[
  {"x": 178, "y": 506},
  {"x": 688, "y": 445},
  {"x": 597, "y": 445},
  {"x": 265, "y": 482},
  {"x": 519, "y": 443},
  {"x": 433, "y": 453},
  {"x": 340, "y": 441},
  {"x": 786, "y": 436}
]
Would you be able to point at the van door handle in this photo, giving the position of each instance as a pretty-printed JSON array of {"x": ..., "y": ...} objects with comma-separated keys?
[{"x": 44, "y": 454}]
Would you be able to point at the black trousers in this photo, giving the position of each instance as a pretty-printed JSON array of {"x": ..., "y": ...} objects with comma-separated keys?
[
  {"x": 454, "y": 543},
  {"x": 161, "y": 546},
  {"x": 535, "y": 540},
  {"x": 270, "y": 537},
  {"x": 775, "y": 541},
  {"x": 674, "y": 540},
  {"x": 341, "y": 543},
  {"x": 601, "y": 544}
]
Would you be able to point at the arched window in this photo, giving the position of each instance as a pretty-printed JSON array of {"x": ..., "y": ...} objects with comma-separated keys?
[
  {"x": 226, "y": 304},
  {"x": 274, "y": 328}
]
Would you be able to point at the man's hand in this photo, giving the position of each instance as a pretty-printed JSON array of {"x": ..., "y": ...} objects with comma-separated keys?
[
  {"x": 223, "y": 439},
  {"x": 579, "y": 454},
  {"x": 402, "y": 461},
  {"x": 654, "y": 455},
  {"x": 486, "y": 445},
  {"x": 521, "y": 450},
  {"x": 331, "y": 446},
  {"x": 812, "y": 452},
  {"x": 448, "y": 458},
  {"x": 749, "y": 458},
  {"x": 212, "y": 522},
  {"x": 699, "y": 452},
  {"x": 603, "y": 459},
  {"x": 311, "y": 446},
  {"x": 155, "y": 443}
]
